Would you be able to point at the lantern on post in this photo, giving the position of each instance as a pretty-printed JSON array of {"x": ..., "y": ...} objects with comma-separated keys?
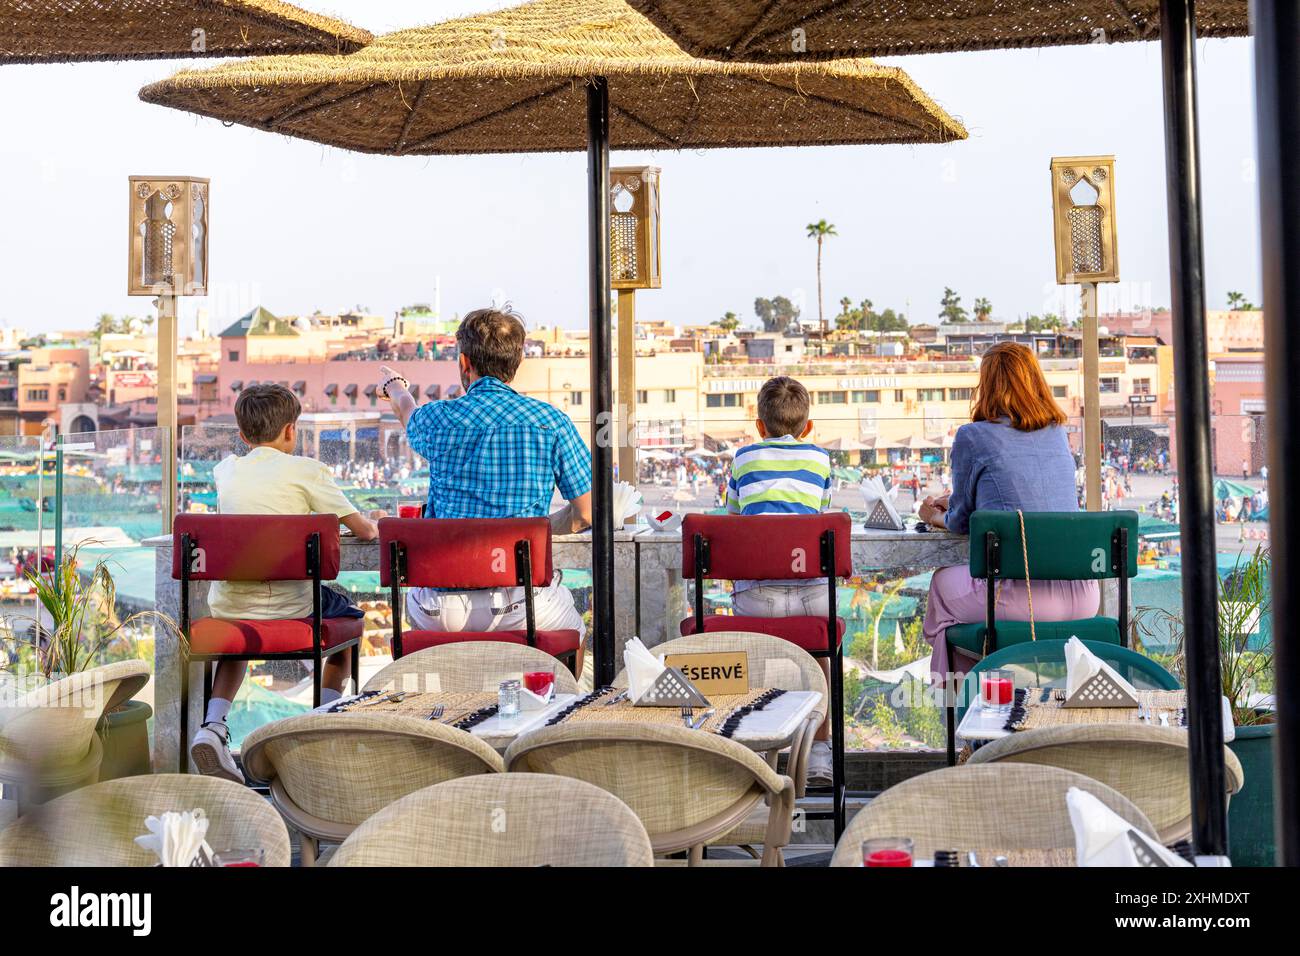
[
  {"x": 167, "y": 258},
  {"x": 634, "y": 253},
  {"x": 1087, "y": 252}
]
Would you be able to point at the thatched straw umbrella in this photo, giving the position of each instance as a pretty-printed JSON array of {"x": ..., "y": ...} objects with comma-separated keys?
[
  {"x": 561, "y": 75},
  {"x": 66, "y": 31},
  {"x": 786, "y": 30},
  {"x": 763, "y": 31}
]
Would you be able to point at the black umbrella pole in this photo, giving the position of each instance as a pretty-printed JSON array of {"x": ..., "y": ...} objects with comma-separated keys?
[
  {"x": 1192, "y": 408},
  {"x": 603, "y": 427},
  {"x": 1277, "y": 101}
]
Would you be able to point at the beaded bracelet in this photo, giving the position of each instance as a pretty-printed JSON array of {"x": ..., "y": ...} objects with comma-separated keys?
[{"x": 396, "y": 378}]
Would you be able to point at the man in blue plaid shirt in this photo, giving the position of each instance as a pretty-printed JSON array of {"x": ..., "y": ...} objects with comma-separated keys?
[{"x": 494, "y": 453}]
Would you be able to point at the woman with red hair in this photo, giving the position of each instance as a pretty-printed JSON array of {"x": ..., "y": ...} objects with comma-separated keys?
[{"x": 1013, "y": 456}]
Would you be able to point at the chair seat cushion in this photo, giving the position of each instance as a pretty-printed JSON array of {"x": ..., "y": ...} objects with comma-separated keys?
[
  {"x": 806, "y": 632},
  {"x": 970, "y": 637},
  {"x": 210, "y": 635},
  {"x": 554, "y": 643}
]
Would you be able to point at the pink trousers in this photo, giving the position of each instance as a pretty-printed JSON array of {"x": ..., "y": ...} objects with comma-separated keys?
[{"x": 957, "y": 598}]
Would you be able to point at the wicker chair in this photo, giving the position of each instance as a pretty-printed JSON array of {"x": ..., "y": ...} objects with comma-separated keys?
[
  {"x": 686, "y": 786},
  {"x": 514, "y": 819},
  {"x": 48, "y": 744},
  {"x": 330, "y": 772},
  {"x": 1011, "y": 807},
  {"x": 1147, "y": 764},
  {"x": 469, "y": 667},
  {"x": 97, "y": 825},
  {"x": 773, "y": 662}
]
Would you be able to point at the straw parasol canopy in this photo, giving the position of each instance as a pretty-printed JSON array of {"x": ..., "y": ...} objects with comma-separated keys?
[
  {"x": 514, "y": 81},
  {"x": 63, "y": 31},
  {"x": 764, "y": 30}
]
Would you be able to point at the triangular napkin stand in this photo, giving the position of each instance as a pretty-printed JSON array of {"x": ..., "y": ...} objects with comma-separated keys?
[
  {"x": 1101, "y": 690},
  {"x": 884, "y": 517},
  {"x": 672, "y": 689}
]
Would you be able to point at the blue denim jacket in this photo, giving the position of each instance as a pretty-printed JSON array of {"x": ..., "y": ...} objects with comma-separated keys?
[{"x": 997, "y": 468}]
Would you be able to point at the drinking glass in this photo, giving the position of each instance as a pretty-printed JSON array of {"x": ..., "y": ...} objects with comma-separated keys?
[
  {"x": 240, "y": 857},
  {"x": 887, "y": 851},
  {"x": 997, "y": 690}
]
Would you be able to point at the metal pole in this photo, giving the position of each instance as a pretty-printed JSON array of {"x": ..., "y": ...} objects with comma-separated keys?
[
  {"x": 1192, "y": 408},
  {"x": 1277, "y": 102},
  {"x": 603, "y": 423},
  {"x": 1091, "y": 396},
  {"x": 627, "y": 385},
  {"x": 58, "y": 506},
  {"x": 169, "y": 433}
]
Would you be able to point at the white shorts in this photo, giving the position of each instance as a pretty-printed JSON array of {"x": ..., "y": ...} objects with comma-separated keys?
[{"x": 493, "y": 609}]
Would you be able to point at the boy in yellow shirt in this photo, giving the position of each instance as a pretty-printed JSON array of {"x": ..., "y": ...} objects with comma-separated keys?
[{"x": 271, "y": 480}]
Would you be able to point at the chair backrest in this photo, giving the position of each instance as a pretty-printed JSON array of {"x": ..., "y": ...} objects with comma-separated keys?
[
  {"x": 52, "y": 725},
  {"x": 1042, "y": 664},
  {"x": 773, "y": 662},
  {"x": 342, "y": 768},
  {"x": 509, "y": 819},
  {"x": 468, "y": 667},
  {"x": 465, "y": 552},
  {"x": 682, "y": 784},
  {"x": 767, "y": 547},
  {"x": 1078, "y": 546},
  {"x": 97, "y": 825},
  {"x": 1003, "y": 807},
  {"x": 1147, "y": 764},
  {"x": 255, "y": 547}
]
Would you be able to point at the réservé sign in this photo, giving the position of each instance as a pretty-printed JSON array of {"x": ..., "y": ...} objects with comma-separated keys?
[{"x": 720, "y": 672}]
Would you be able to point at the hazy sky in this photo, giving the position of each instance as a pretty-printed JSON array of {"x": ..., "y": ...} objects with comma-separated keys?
[{"x": 296, "y": 226}]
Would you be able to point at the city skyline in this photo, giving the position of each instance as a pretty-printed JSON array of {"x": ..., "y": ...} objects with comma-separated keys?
[{"x": 296, "y": 227}]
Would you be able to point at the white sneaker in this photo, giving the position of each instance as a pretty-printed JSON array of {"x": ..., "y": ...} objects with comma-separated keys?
[
  {"x": 210, "y": 753},
  {"x": 820, "y": 773}
]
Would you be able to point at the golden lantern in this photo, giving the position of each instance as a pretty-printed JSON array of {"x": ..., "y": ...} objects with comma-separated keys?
[
  {"x": 634, "y": 227},
  {"x": 1083, "y": 209},
  {"x": 168, "y": 238}
]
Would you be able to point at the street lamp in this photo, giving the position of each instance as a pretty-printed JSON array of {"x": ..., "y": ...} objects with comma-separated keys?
[
  {"x": 634, "y": 260},
  {"x": 167, "y": 258},
  {"x": 1083, "y": 213}
]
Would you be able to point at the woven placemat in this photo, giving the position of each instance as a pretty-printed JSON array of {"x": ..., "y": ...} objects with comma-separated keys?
[
  {"x": 1059, "y": 857},
  {"x": 608, "y": 704},
  {"x": 1038, "y": 707},
  {"x": 459, "y": 710}
]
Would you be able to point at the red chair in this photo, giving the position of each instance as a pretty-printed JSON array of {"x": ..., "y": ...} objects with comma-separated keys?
[
  {"x": 778, "y": 548},
  {"x": 259, "y": 548},
  {"x": 461, "y": 554}
]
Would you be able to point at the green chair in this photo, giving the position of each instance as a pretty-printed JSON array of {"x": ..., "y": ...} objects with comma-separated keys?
[
  {"x": 1077, "y": 546},
  {"x": 1042, "y": 664}
]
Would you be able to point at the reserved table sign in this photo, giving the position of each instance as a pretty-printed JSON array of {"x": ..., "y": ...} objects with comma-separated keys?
[{"x": 717, "y": 672}]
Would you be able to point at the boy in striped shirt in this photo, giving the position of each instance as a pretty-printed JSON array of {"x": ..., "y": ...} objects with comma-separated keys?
[{"x": 783, "y": 474}]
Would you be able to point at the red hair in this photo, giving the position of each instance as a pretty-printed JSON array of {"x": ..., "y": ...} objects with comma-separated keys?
[{"x": 1012, "y": 386}]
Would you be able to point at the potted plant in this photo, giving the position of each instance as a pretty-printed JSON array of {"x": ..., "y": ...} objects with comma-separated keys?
[
  {"x": 1246, "y": 666},
  {"x": 84, "y": 631}
]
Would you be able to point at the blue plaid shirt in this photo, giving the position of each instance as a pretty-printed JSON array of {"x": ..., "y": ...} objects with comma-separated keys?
[{"x": 494, "y": 453}]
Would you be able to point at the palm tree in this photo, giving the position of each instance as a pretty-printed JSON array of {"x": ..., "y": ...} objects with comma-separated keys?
[
  {"x": 1235, "y": 301},
  {"x": 728, "y": 322},
  {"x": 819, "y": 230},
  {"x": 983, "y": 309}
]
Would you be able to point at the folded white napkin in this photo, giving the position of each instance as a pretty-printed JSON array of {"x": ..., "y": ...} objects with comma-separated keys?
[
  {"x": 1101, "y": 836},
  {"x": 530, "y": 701},
  {"x": 874, "y": 494},
  {"x": 1081, "y": 665},
  {"x": 177, "y": 837},
  {"x": 642, "y": 668},
  {"x": 627, "y": 501}
]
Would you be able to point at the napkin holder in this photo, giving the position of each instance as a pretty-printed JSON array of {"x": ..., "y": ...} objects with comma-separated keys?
[
  {"x": 1101, "y": 690},
  {"x": 672, "y": 689},
  {"x": 1146, "y": 853},
  {"x": 884, "y": 517}
]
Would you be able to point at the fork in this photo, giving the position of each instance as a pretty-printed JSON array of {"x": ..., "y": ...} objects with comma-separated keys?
[
  {"x": 436, "y": 712},
  {"x": 1058, "y": 695},
  {"x": 687, "y": 714}
]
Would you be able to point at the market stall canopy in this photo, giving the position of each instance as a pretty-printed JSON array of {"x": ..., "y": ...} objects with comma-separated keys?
[
  {"x": 764, "y": 31},
  {"x": 514, "y": 81},
  {"x": 66, "y": 31}
]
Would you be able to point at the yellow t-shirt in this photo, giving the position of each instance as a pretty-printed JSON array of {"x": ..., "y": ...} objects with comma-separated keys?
[{"x": 269, "y": 482}]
